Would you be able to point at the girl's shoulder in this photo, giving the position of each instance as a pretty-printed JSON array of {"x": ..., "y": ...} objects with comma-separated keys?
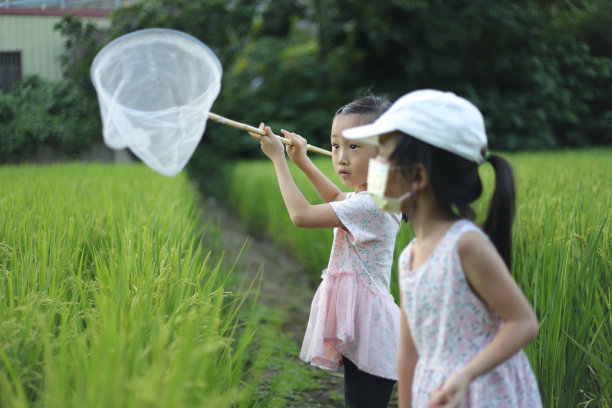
[
  {"x": 463, "y": 232},
  {"x": 471, "y": 241},
  {"x": 463, "y": 226},
  {"x": 357, "y": 202},
  {"x": 362, "y": 195},
  {"x": 471, "y": 238},
  {"x": 364, "y": 199},
  {"x": 359, "y": 212},
  {"x": 386, "y": 216}
]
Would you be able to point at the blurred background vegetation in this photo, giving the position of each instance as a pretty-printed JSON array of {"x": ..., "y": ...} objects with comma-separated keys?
[{"x": 540, "y": 70}]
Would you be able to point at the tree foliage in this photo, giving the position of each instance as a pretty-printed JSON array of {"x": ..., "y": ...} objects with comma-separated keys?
[
  {"x": 539, "y": 70},
  {"x": 38, "y": 114}
]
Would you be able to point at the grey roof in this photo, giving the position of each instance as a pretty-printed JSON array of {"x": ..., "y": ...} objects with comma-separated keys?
[{"x": 63, "y": 4}]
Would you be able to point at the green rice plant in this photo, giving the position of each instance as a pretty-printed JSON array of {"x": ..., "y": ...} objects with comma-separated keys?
[
  {"x": 107, "y": 298},
  {"x": 255, "y": 195},
  {"x": 562, "y": 260},
  {"x": 562, "y": 257}
]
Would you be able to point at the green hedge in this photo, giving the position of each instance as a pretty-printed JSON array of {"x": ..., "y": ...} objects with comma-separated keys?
[{"x": 38, "y": 114}]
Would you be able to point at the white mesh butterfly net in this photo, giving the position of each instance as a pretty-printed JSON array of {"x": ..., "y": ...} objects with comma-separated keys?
[{"x": 155, "y": 88}]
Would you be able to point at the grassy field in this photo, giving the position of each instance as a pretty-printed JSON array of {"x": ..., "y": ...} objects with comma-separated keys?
[
  {"x": 562, "y": 254},
  {"x": 107, "y": 298}
]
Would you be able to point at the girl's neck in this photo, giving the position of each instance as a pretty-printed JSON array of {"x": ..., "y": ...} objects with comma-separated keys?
[
  {"x": 429, "y": 229},
  {"x": 429, "y": 222}
]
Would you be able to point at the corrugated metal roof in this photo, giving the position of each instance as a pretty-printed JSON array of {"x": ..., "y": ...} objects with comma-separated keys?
[
  {"x": 36, "y": 6},
  {"x": 55, "y": 12}
]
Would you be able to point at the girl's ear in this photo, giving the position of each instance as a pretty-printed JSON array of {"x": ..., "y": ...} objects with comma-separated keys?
[{"x": 420, "y": 178}]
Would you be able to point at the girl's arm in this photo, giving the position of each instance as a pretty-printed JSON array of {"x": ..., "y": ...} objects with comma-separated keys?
[
  {"x": 407, "y": 361},
  {"x": 326, "y": 189},
  {"x": 302, "y": 213},
  {"x": 491, "y": 281}
]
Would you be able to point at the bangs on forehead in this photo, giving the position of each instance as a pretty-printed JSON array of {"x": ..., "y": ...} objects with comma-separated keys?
[
  {"x": 344, "y": 121},
  {"x": 340, "y": 138}
]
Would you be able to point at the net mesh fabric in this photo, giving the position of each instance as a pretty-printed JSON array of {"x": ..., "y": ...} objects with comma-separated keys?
[{"x": 155, "y": 88}]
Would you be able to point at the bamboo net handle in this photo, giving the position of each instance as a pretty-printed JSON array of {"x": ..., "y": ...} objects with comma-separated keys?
[{"x": 244, "y": 126}]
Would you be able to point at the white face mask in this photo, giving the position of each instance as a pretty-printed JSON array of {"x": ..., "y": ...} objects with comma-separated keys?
[{"x": 378, "y": 173}]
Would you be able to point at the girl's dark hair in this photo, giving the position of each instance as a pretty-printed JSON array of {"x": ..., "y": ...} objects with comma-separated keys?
[
  {"x": 369, "y": 107},
  {"x": 456, "y": 184}
]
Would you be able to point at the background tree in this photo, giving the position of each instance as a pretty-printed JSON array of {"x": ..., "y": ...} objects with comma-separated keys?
[{"x": 539, "y": 70}]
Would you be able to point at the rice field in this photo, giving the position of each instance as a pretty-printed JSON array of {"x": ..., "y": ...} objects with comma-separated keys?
[
  {"x": 107, "y": 297},
  {"x": 562, "y": 257}
]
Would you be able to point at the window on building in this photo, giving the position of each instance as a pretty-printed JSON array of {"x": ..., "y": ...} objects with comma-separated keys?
[{"x": 10, "y": 69}]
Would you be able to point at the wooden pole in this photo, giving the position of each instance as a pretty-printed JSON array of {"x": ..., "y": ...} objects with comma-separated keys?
[{"x": 248, "y": 128}]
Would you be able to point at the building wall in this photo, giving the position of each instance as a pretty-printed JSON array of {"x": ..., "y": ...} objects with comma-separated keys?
[{"x": 39, "y": 43}]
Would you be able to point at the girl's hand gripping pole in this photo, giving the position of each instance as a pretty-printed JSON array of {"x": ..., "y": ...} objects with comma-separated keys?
[{"x": 244, "y": 126}]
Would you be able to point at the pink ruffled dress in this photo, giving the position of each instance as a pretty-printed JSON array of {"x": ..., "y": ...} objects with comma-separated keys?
[
  {"x": 450, "y": 325},
  {"x": 353, "y": 313}
]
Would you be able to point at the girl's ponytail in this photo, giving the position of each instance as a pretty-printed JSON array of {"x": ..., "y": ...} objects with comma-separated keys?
[{"x": 498, "y": 225}]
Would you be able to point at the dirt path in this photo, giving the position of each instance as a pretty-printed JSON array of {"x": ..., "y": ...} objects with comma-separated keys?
[{"x": 285, "y": 285}]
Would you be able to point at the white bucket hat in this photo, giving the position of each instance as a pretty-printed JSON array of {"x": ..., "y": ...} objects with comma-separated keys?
[{"x": 441, "y": 119}]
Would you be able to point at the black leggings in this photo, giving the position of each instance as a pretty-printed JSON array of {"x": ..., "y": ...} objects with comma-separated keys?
[{"x": 363, "y": 390}]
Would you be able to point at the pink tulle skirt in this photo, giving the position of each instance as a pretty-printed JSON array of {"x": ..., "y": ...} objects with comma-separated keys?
[{"x": 350, "y": 317}]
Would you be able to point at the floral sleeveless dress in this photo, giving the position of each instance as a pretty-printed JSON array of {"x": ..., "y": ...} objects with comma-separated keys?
[
  {"x": 353, "y": 313},
  {"x": 450, "y": 325}
]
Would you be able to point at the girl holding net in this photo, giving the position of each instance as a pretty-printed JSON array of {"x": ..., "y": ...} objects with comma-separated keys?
[{"x": 354, "y": 321}]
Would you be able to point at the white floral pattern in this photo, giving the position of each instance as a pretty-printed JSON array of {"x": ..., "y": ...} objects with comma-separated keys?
[
  {"x": 352, "y": 313},
  {"x": 450, "y": 325}
]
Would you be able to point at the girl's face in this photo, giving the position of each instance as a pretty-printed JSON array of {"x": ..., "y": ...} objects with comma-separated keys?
[{"x": 350, "y": 157}]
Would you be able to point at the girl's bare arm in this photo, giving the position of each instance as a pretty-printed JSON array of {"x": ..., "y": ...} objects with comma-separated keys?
[
  {"x": 327, "y": 190},
  {"x": 407, "y": 360},
  {"x": 302, "y": 213}
]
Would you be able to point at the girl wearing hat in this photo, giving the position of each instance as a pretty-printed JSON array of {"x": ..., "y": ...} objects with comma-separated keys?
[
  {"x": 464, "y": 319},
  {"x": 354, "y": 321}
]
